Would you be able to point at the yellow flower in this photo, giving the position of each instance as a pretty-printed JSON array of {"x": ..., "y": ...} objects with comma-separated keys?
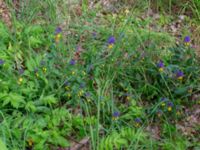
[
  {"x": 126, "y": 11},
  {"x": 57, "y": 37},
  {"x": 114, "y": 118},
  {"x": 163, "y": 104},
  {"x": 44, "y": 69},
  {"x": 180, "y": 78},
  {"x": 20, "y": 80},
  {"x": 110, "y": 46},
  {"x": 73, "y": 72},
  {"x": 161, "y": 69},
  {"x": 88, "y": 100},
  {"x": 84, "y": 73},
  {"x": 68, "y": 95},
  {"x": 80, "y": 93},
  {"x": 187, "y": 44},
  {"x": 169, "y": 108},
  {"x": 36, "y": 74},
  {"x": 66, "y": 88},
  {"x": 30, "y": 142},
  {"x": 137, "y": 124}
]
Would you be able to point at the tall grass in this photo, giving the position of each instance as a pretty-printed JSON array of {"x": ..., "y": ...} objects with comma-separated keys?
[{"x": 113, "y": 76}]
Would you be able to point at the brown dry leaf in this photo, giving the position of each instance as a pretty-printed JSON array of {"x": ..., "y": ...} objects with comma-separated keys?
[
  {"x": 78, "y": 10},
  {"x": 5, "y": 14},
  {"x": 82, "y": 145},
  {"x": 187, "y": 125},
  {"x": 154, "y": 131},
  {"x": 185, "y": 130},
  {"x": 16, "y": 4},
  {"x": 198, "y": 50}
]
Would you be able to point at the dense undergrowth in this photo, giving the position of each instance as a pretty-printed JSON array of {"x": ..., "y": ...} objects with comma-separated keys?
[{"x": 109, "y": 80}]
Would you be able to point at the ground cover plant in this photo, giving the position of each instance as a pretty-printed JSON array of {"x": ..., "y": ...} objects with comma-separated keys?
[{"x": 100, "y": 75}]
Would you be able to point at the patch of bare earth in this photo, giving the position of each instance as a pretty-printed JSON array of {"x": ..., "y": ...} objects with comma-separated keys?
[
  {"x": 78, "y": 145},
  {"x": 192, "y": 120}
]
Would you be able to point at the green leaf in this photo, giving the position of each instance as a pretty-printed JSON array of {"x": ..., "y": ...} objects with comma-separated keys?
[
  {"x": 15, "y": 100},
  {"x": 61, "y": 141},
  {"x": 31, "y": 64},
  {"x": 34, "y": 42},
  {"x": 30, "y": 106},
  {"x": 49, "y": 100},
  {"x": 56, "y": 138},
  {"x": 181, "y": 90},
  {"x": 3, "y": 32},
  {"x": 2, "y": 145}
]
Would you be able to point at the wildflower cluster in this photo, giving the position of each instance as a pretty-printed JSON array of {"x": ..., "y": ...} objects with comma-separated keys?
[
  {"x": 58, "y": 34},
  {"x": 115, "y": 115},
  {"x": 88, "y": 96},
  {"x": 65, "y": 85},
  {"x": 111, "y": 42},
  {"x": 42, "y": 64},
  {"x": 160, "y": 66},
  {"x": 36, "y": 72},
  {"x": 178, "y": 74},
  {"x": 187, "y": 40},
  {"x": 138, "y": 122},
  {"x": 166, "y": 105}
]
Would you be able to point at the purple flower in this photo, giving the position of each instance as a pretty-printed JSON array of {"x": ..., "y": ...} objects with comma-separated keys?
[
  {"x": 1, "y": 62},
  {"x": 170, "y": 104},
  {"x": 35, "y": 70},
  {"x": 179, "y": 75},
  {"x": 72, "y": 62},
  {"x": 82, "y": 85},
  {"x": 187, "y": 39},
  {"x": 21, "y": 71},
  {"x": 90, "y": 68},
  {"x": 163, "y": 99},
  {"x": 66, "y": 83},
  {"x": 58, "y": 30},
  {"x": 94, "y": 34},
  {"x": 127, "y": 94},
  {"x": 138, "y": 120},
  {"x": 111, "y": 40},
  {"x": 116, "y": 114},
  {"x": 42, "y": 63},
  {"x": 87, "y": 94},
  {"x": 160, "y": 64}
]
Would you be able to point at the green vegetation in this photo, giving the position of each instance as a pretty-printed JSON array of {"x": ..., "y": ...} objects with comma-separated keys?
[{"x": 112, "y": 77}]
